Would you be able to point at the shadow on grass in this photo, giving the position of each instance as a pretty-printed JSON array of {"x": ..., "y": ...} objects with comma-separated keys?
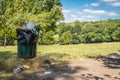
[
  {"x": 60, "y": 69},
  {"x": 7, "y": 61},
  {"x": 6, "y": 55},
  {"x": 111, "y": 61}
]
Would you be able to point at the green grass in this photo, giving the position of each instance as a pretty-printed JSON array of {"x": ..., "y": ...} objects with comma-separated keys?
[
  {"x": 75, "y": 51},
  {"x": 9, "y": 59},
  {"x": 81, "y": 50}
]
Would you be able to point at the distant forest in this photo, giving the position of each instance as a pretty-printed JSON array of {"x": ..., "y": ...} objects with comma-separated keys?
[{"x": 89, "y": 32}]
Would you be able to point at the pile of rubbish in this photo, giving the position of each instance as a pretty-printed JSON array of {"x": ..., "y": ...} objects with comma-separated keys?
[
  {"x": 20, "y": 68},
  {"x": 27, "y": 33},
  {"x": 47, "y": 71},
  {"x": 46, "y": 67}
]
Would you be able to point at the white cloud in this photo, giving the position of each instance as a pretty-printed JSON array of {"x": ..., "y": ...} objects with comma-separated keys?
[
  {"x": 73, "y": 16},
  {"x": 113, "y": 14},
  {"x": 78, "y": 18},
  {"x": 109, "y": 0},
  {"x": 80, "y": 13},
  {"x": 66, "y": 11},
  {"x": 92, "y": 16},
  {"x": 115, "y": 4},
  {"x": 94, "y": 4},
  {"x": 73, "y": 19},
  {"x": 97, "y": 12},
  {"x": 87, "y": 15}
]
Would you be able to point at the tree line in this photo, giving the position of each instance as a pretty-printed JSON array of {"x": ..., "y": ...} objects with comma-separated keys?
[
  {"x": 48, "y": 13},
  {"x": 89, "y": 32}
]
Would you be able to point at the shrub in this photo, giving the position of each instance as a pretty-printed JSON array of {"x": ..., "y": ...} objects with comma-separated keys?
[
  {"x": 66, "y": 38},
  {"x": 48, "y": 38},
  {"x": 75, "y": 39}
]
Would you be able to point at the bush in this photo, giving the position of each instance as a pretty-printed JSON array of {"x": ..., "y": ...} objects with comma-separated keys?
[
  {"x": 66, "y": 38},
  {"x": 75, "y": 39},
  {"x": 48, "y": 38}
]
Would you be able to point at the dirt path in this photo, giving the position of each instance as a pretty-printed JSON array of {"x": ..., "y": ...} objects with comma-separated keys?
[
  {"x": 102, "y": 68},
  {"x": 91, "y": 70}
]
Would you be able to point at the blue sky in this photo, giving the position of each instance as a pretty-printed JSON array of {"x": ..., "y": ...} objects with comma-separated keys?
[{"x": 90, "y": 10}]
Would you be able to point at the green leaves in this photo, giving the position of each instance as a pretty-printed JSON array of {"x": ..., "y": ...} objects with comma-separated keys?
[
  {"x": 66, "y": 37},
  {"x": 91, "y": 32},
  {"x": 45, "y": 12}
]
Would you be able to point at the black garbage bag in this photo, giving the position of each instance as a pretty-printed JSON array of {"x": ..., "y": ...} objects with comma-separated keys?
[
  {"x": 24, "y": 36},
  {"x": 27, "y": 36}
]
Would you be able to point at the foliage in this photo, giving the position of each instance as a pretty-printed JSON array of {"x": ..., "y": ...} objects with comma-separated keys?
[
  {"x": 48, "y": 13},
  {"x": 13, "y": 12},
  {"x": 66, "y": 37},
  {"x": 48, "y": 38},
  {"x": 75, "y": 39},
  {"x": 92, "y": 32}
]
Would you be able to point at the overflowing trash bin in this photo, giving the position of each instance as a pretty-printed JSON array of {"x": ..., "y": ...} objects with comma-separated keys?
[{"x": 27, "y": 36}]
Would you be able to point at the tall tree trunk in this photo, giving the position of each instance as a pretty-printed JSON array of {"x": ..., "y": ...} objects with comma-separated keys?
[{"x": 5, "y": 39}]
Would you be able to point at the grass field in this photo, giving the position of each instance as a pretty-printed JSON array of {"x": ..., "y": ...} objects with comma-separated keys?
[
  {"x": 57, "y": 52},
  {"x": 81, "y": 50},
  {"x": 74, "y": 51},
  {"x": 64, "y": 52},
  {"x": 9, "y": 59}
]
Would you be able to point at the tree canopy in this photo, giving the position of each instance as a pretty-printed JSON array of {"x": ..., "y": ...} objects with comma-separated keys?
[
  {"x": 92, "y": 32},
  {"x": 45, "y": 12}
]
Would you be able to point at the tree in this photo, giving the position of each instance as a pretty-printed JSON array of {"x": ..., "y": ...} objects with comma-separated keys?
[
  {"x": 116, "y": 33},
  {"x": 45, "y": 12},
  {"x": 77, "y": 27},
  {"x": 66, "y": 37},
  {"x": 48, "y": 38},
  {"x": 6, "y": 12}
]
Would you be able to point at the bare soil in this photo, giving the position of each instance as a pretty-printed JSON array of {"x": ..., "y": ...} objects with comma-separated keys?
[
  {"x": 101, "y": 68},
  {"x": 91, "y": 69}
]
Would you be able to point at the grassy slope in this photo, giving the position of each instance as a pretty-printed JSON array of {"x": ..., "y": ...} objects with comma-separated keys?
[
  {"x": 82, "y": 50},
  {"x": 8, "y": 55}
]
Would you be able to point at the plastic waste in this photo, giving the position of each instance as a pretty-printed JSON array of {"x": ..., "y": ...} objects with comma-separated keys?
[
  {"x": 36, "y": 26},
  {"x": 45, "y": 71},
  {"x": 28, "y": 33},
  {"x": 23, "y": 36},
  {"x": 48, "y": 72},
  {"x": 26, "y": 66},
  {"x": 52, "y": 63},
  {"x": 34, "y": 32},
  {"x": 71, "y": 69},
  {"x": 16, "y": 70},
  {"x": 24, "y": 26},
  {"x": 47, "y": 65},
  {"x": 30, "y": 25},
  {"x": 20, "y": 68}
]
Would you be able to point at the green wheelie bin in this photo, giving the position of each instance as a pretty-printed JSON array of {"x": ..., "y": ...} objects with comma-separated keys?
[
  {"x": 26, "y": 50},
  {"x": 27, "y": 40}
]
